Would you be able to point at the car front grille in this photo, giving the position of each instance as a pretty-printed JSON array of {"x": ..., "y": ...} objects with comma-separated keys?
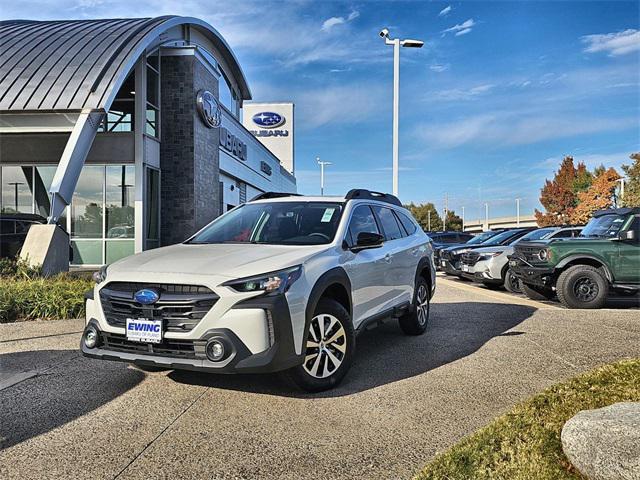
[
  {"x": 180, "y": 307},
  {"x": 528, "y": 253},
  {"x": 167, "y": 348},
  {"x": 470, "y": 258}
]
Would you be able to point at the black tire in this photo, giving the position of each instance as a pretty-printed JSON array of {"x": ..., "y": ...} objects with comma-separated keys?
[
  {"x": 512, "y": 283},
  {"x": 582, "y": 286},
  {"x": 318, "y": 358},
  {"x": 416, "y": 320},
  {"x": 534, "y": 292}
]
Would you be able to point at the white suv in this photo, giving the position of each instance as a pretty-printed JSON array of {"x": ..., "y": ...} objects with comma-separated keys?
[{"x": 281, "y": 283}]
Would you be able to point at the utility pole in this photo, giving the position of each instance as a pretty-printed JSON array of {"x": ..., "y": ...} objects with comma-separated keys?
[
  {"x": 621, "y": 180},
  {"x": 463, "y": 218},
  {"x": 429, "y": 220},
  {"x": 322, "y": 165},
  {"x": 446, "y": 209},
  {"x": 518, "y": 212}
]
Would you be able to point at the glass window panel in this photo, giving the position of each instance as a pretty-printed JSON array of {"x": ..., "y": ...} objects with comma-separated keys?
[
  {"x": 17, "y": 189},
  {"x": 154, "y": 60},
  {"x": 362, "y": 220},
  {"x": 151, "y": 123},
  {"x": 120, "y": 192},
  {"x": 153, "y": 87},
  {"x": 87, "y": 252},
  {"x": 87, "y": 203},
  {"x": 152, "y": 205},
  {"x": 42, "y": 179},
  {"x": 117, "y": 249}
]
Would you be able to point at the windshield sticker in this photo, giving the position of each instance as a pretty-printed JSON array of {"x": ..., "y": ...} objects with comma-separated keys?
[{"x": 328, "y": 213}]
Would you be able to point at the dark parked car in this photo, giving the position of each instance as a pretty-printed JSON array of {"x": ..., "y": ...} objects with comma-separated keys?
[
  {"x": 451, "y": 258},
  {"x": 13, "y": 231},
  {"x": 442, "y": 240}
]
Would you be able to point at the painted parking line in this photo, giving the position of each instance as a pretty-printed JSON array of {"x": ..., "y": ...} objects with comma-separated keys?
[{"x": 503, "y": 297}]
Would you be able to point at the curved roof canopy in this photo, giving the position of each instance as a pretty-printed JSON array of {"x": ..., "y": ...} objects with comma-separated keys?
[{"x": 81, "y": 64}]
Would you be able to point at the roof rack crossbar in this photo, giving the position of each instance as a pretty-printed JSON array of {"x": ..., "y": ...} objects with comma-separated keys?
[
  {"x": 267, "y": 195},
  {"x": 364, "y": 194}
]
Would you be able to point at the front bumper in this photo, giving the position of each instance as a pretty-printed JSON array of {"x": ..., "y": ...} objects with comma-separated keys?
[
  {"x": 531, "y": 275},
  {"x": 190, "y": 354},
  {"x": 451, "y": 267}
]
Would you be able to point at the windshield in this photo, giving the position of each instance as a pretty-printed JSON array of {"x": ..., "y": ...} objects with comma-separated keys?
[
  {"x": 535, "y": 235},
  {"x": 606, "y": 226},
  {"x": 275, "y": 223},
  {"x": 500, "y": 238},
  {"x": 481, "y": 238}
]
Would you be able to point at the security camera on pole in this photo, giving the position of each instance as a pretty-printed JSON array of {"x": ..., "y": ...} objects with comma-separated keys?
[{"x": 397, "y": 43}]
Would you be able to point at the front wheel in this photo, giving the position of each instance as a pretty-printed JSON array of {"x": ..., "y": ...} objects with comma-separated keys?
[
  {"x": 329, "y": 349},
  {"x": 534, "y": 292},
  {"x": 582, "y": 286},
  {"x": 415, "y": 321},
  {"x": 512, "y": 283}
]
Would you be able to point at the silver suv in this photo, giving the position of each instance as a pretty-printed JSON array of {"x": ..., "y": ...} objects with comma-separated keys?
[{"x": 281, "y": 283}]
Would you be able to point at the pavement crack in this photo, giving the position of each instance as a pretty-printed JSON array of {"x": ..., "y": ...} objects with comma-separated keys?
[
  {"x": 161, "y": 433},
  {"x": 562, "y": 359}
]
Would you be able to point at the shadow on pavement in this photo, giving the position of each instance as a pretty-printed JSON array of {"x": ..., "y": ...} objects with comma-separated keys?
[
  {"x": 384, "y": 355},
  {"x": 34, "y": 407}
]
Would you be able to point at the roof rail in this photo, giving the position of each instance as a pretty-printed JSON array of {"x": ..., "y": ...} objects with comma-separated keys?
[
  {"x": 363, "y": 194},
  {"x": 267, "y": 195}
]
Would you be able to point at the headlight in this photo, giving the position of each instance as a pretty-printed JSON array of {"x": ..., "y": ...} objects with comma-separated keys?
[
  {"x": 544, "y": 254},
  {"x": 276, "y": 282},
  {"x": 487, "y": 256},
  {"x": 100, "y": 275}
]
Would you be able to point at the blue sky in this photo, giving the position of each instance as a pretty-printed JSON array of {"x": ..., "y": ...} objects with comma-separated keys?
[{"x": 500, "y": 92}]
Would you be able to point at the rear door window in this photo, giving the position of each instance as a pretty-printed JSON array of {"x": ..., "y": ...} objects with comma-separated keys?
[
  {"x": 392, "y": 230},
  {"x": 408, "y": 224}
]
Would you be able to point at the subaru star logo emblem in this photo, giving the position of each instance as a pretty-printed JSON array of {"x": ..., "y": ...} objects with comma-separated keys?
[
  {"x": 209, "y": 109},
  {"x": 268, "y": 119},
  {"x": 146, "y": 296}
]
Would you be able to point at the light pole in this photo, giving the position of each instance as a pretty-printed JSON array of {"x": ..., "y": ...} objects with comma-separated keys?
[
  {"x": 429, "y": 219},
  {"x": 517, "y": 212},
  {"x": 322, "y": 165},
  {"x": 16, "y": 185},
  {"x": 463, "y": 219},
  {"x": 486, "y": 215},
  {"x": 621, "y": 180},
  {"x": 397, "y": 43}
]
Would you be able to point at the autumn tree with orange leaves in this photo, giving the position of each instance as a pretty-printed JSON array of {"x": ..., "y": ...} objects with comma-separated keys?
[
  {"x": 559, "y": 196},
  {"x": 599, "y": 196}
]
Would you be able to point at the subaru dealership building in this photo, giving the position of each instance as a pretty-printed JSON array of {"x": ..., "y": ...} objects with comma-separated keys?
[{"x": 129, "y": 132}]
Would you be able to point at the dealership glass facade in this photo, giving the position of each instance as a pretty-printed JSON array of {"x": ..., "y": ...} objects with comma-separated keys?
[{"x": 101, "y": 221}]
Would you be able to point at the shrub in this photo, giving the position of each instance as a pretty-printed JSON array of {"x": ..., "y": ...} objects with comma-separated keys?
[{"x": 24, "y": 298}]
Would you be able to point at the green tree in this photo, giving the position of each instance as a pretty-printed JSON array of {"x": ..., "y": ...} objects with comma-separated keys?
[
  {"x": 583, "y": 179},
  {"x": 632, "y": 184},
  {"x": 422, "y": 212},
  {"x": 454, "y": 222}
]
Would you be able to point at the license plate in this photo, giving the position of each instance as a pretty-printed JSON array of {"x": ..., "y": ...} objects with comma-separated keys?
[
  {"x": 465, "y": 268},
  {"x": 144, "y": 330}
]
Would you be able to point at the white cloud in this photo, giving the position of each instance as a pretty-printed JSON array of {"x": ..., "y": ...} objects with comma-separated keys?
[
  {"x": 618, "y": 43},
  {"x": 437, "y": 67},
  {"x": 515, "y": 128},
  {"x": 461, "y": 28},
  {"x": 445, "y": 11},
  {"x": 456, "y": 94},
  {"x": 329, "y": 23}
]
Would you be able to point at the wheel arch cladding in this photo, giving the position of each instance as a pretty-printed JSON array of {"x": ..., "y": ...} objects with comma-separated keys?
[
  {"x": 334, "y": 284},
  {"x": 424, "y": 270},
  {"x": 584, "y": 260}
]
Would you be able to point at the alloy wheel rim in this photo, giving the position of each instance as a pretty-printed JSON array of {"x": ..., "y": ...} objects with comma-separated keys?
[
  {"x": 513, "y": 281},
  {"x": 326, "y": 346},
  {"x": 585, "y": 289},
  {"x": 422, "y": 305}
]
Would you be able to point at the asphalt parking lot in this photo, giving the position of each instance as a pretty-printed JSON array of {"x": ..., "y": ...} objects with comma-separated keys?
[{"x": 405, "y": 399}]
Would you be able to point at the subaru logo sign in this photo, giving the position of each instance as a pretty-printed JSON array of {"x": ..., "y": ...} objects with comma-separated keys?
[
  {"x": 209, "y": 109},
  {"x": 268, "y": 119},
  {"x": 146, "y": 296}
]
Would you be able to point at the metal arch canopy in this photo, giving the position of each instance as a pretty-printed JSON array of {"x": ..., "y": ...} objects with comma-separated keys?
[{"x": 79, "y": 66}]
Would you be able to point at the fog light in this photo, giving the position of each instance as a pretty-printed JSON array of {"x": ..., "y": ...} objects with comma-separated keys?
[
  {"x": 215, "y": 350},
  {"x": 91, "y": 337}
]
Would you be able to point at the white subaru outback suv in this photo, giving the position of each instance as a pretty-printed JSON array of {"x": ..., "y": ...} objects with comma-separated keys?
[{"x": 281, "y": 283}]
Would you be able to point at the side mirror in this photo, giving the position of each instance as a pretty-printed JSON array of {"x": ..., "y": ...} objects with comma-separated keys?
[
  {"x": 367, "y": 240},
  {"x": 629, "y": 235}
]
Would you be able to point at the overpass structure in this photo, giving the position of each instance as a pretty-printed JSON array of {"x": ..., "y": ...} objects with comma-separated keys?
[{"x": 482, "y": 225}]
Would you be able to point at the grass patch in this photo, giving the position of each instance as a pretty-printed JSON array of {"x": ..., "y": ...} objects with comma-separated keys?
[
  {"x": 525, "y": 442},
  {"x": 26, "y": 295}
]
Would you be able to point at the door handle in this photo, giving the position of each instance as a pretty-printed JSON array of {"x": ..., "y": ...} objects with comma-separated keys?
[
  {"x": 387, "y": 258},
  {"x": 415, "y": 251}
]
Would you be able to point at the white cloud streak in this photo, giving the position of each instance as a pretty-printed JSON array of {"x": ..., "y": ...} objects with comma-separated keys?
[
  {"x": 445, "y": 11},
  {"x": 461, "y": 28},
  {"x": 618, "y": 43},
  {"x": 329, "y": 23}
]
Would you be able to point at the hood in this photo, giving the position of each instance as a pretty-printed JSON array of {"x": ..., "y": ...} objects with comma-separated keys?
[
  {"x": 227, "y": 260},
  {"x": 562, "y": 241},
  {"x": 506, "y": 249}
]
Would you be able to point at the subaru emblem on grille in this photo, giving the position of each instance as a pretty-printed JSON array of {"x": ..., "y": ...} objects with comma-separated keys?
[{"x": 146, "y": 296}]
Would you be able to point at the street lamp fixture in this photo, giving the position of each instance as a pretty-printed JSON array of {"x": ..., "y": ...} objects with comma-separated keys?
[
  {"x": 397, "y": 43},
  {"x": 322, "y": 165}
]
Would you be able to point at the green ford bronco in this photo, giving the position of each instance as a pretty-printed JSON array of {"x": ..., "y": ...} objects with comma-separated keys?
[{"x": 582, "y": 270}]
